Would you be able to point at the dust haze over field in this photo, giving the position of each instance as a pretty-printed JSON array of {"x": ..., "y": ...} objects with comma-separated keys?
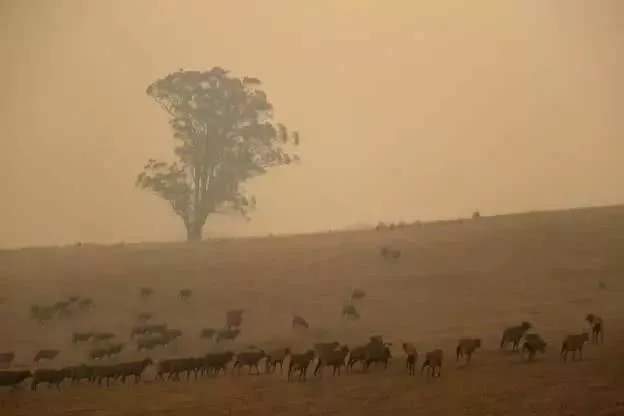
[
  {"x": 407, "y": 110},
  {"x": 414, "y": 114}
]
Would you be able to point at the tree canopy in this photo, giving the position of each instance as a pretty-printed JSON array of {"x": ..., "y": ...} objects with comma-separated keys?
[{"x": 224, "y": 135}]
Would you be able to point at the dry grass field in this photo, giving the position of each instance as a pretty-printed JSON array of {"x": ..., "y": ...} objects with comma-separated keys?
[{"x": 453, "y": 279}]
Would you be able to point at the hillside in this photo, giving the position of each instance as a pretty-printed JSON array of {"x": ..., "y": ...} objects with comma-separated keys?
[{"x": 453, "y": 279}]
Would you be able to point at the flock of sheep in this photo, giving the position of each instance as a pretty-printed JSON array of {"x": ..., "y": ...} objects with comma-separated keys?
[{"x": 331, "y": 355}]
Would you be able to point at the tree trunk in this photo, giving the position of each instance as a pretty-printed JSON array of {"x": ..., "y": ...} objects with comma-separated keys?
[{"x": 194, "y": 232}]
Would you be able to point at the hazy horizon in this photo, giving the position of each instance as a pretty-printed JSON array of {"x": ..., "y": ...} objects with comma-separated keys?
[{"x": 406, "y": 111}]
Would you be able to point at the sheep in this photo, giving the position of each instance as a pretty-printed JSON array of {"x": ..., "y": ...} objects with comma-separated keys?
[
  {"x": 144, "y": 317},
  {"x": 466, "y": 347},
  {"x": 217, "y": 361},
  {"x": 299, "y": 322},
  {"x": 390, "y": 253},
  {"x": 300, "y": 362},
  {"x": 412, "y": 357},
  {"x": 152, "y": 342},
  {"x": 250, "y": 359},
  {"x": 322, "y": 350},
  {"x": 276, "y": 357},
  {"x": 597, "y": 327},
  {"x": 207, "y": 333},
  {"x": 81, "y": 337},
  {"x": 227, "y": 334},
  {"x": 108, "y": 351},
  {"x": 573, "y": 343},
  {"x": 146, "y": 292},
  {"x": 174, "y": 367},
  {"x": 148, "y": 329},
  {"x": 50, "y": 376},
  {"x": 433, "y": 361},
  {"x": 80, "y": 372},
  {"x": 349, "y": 311},
  {"x": 358, "y": 294},
  {"x": 514, "y": 335},
  {"x": 85, "y": 303},
  {"x": 105, "y": 372},
  {"x": 233, "y": 318},
  {"x": 335, "y": 359},
  {"x": 6, "y": 358},
  {"x": 103, "y": 336},
  {"x": 46, "y": 355},
  {"x": 377, "y": 353},
  {"x": 532, "y": 346},
  {"x": 134, "y": 368},
  {"x": 358, "y": 354},
  {"x": 13, "y": 378},
  {"x": 185, "y": 294}
]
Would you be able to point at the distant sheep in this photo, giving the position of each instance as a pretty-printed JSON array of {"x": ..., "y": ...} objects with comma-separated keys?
[
  {"x": 597, "y": 327},
  {"x": 13, "y": 378},
  {"x": 532, "y": 346},
  {"x": 574, "y": 343},
  {"x": 300, "y": 362},
  {"x": 390, "y": 253},
  {"x": 412, "y": 357},
  {"x": 185, "y": 294},
  {"x": 514, "y": 335},
  {"x": 275, "y": 357},
  {"x": 81, "y": 337},
  {"x": 46, "y": 355},
  {"x": 466, "y": 347},
  {"x": 146, "y": 292},
  {"x": 433, "y": 362},
  {"x": 249, "y": 359},
  {"x": 358, "y": 294},
  {"x": 52, "y": 377},
  {"x": 148, "y": 329},
  {"x": 103, "y": 336},
  {"x": 299, "y": 322}
]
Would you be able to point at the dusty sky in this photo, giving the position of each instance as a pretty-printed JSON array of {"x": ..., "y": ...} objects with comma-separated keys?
[{"x": 407, "y": 109}]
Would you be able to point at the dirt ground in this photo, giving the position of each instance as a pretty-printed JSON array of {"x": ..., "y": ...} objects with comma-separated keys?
[{"x": 453, "y": 279}]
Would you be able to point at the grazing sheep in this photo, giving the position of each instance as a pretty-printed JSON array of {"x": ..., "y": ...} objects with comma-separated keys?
[
  {"x": 46, "y": 355},
  {"x": 148, "y": 329},
  {"x": 103, "y": 336},
  {"x": 13, "y": 378},
  {"x": 433, "y": 361},
  {"x": 50, "y": 376},
  {"x": 217, "y": 361},
  {"x": 532, "y": 346},
  {"x": 85, "y": 303},
  {"x": 6, "y": 358},
  {"x": 390, "y": 253},
  {"x": 233, "y": 318},
  {"x": 323, "y": 349},
  {"x": 144, "y": 317},
  {"x": 412, "y": 357},
  {"x": 300, "y": 362},
  {"x": 466, "y": 347},
  {"x": 358, "y": 294},
  {"x": 207, "y": 333},
  {"x": 349, "y": 311},
  {"x": 185, "y": 294},
  {"x": 146, "y": 292},
  {"x": 250, "y": 359},
  {"x": 227, "y": 334},
  {"x": 81, "y": 337},
  {"x": 134, "y": 368},
  {"x": 152, "y": 342},
  {"x": 573, "y": 343},
  {"x": 514, "y": 335},
  {"x": 276, "y": 357},
  {"x": 597, "y": 327},
  {"x": 335, "y": 359},
  {"x": 299, "y": 322}
]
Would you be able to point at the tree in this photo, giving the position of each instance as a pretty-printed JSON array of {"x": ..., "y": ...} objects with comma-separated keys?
[{"x": 225, "y": 134}]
